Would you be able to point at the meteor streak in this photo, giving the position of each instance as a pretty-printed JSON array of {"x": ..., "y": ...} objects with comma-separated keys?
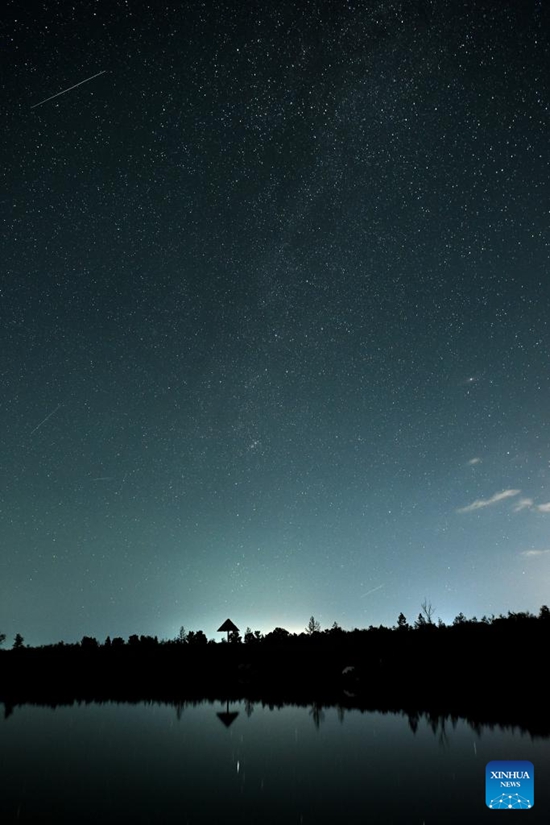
[
  {"x": 374, "y": 589},
  {"x": 68, "y": 90},
  {"x": 45, "y": 419}
]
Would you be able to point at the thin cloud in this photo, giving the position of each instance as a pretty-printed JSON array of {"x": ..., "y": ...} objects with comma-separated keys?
[
  {"x": 479, "y": 503},
  {"x": 530, "y": 553},
  {"x": 473, "y": 461},
  {"x": 523, "y": 504},
  {"x": 543, "y": 508}
]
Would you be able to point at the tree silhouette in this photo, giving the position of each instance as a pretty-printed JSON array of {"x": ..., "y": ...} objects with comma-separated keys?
[
  {"x": 89, "y": 643},
  {"x": 196, "y": 637},
  {"x": 420, "y": 622},
  {"x": 428, "y": 611},
  {"x": 18, "y": 642},
  {"x": 278, "y": 634},
  {"x": 2, "y": 638},
  {"x": 313, "y": 626},
  {"x": 334, "y": 631},
  {"x": 402, "y": 623}
]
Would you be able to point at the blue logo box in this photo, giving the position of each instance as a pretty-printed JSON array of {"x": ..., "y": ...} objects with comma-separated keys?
[{"x": 510, "y": 785}]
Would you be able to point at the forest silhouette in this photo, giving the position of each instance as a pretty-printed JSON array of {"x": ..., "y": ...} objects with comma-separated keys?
[{"x": 492, "y": 667}]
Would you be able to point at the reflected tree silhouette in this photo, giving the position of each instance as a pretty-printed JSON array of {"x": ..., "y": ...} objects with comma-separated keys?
[{"x": 317, "y": 714}]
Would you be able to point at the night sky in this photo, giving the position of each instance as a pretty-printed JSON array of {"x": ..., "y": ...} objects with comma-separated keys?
[{"x": 275, "y": 311}]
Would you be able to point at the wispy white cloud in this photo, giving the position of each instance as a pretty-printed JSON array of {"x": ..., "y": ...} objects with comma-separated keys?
[
  {"x": 529, "y": 504},
  {"x": 479, "y": 503},
  {"x": 534, "y": 552},
  {"x": 523, "y": 504},
  {"x": 473, "y": 461}
]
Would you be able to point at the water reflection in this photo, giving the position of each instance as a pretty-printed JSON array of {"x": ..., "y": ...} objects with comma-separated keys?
[
  {"x": 227, "y": 716},
  {"x": 149, "y": 762},
  {"x": 437, "y": 721}
]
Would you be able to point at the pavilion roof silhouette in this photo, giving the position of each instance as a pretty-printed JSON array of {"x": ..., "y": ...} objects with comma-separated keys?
[{"x": 229, "y": 626}]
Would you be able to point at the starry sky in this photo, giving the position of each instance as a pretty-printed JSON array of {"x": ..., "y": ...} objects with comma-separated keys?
[{"x": 274, "y": 313}]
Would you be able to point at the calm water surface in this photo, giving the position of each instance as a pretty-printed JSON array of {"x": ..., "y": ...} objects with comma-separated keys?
[{"x": 152, "y": 763}]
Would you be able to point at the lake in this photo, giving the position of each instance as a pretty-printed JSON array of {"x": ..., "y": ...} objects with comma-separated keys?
[{"x": 248, "y": 763}]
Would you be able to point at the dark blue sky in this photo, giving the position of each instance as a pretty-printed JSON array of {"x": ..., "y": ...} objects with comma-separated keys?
[{"x": 275, "y": 307}]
